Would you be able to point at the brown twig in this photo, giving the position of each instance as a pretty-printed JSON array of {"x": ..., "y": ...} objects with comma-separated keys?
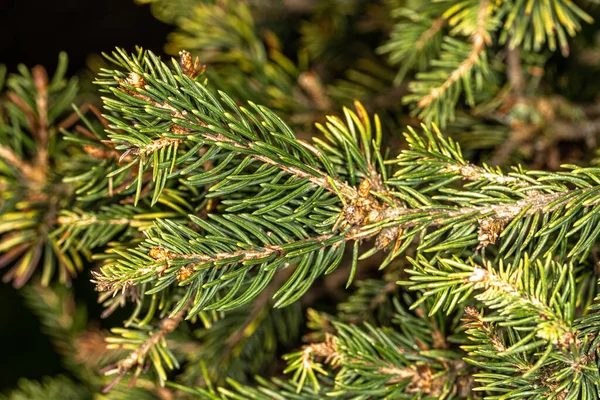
[
  {"x": 520, "y": 133},
  {"x": 436, "y": 26}
]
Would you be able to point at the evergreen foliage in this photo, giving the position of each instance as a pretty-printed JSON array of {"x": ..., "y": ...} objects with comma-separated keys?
[{"x": 229, "y": 204}]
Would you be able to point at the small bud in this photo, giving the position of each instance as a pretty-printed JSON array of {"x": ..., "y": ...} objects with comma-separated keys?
[
  {"x": 135, "y": 80},
  {"x": 364, "y": 188},
  {"x": 471, "y": 311},
  {"x": 189, "y": 66},
  {"x": 353, "y": 215},
  {"x": 159, "y": 253},
  {"x": 179, "y": 130},
  {"x": 489, "y": 230},
  {"x": 386, "y": 237},
  {"x": 184, "y": 273}
]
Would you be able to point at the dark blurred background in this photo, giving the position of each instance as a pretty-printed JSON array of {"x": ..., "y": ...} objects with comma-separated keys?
[{"x": 34, "y": 32}]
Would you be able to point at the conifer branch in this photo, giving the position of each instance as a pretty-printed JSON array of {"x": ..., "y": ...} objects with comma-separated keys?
[
  {"x": 479, "y": 39},
  {"x": 35, "y": 175},
  {"x": 137, "y": 358},
  {"x": 317, "y": 177}
]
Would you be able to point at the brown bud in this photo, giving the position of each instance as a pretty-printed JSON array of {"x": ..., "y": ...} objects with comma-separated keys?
[
  {"x": 386, "y": 237},
  {"x": 159, "y": 253},
  {"x": 184, "y": 273},
  {"x": 189, "y": 66},
  {"x": 489, "y": 230},
  {"x": 185, "y": 61},
  {"x": 364, "y": 188},
  {"x": 179, "y": 130},
  {"x": 135, "y": 80},
  {"x": 353, "y": 215},
  {"x": 471, "y": 311}
]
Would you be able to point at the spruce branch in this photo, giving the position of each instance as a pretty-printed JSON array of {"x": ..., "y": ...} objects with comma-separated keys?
[
  {"x": 31, "y": 113},
  {"x": 461, "y": 67},
  {"x": 382, "y": 362},
  {"x": 563, "y": 16},
  {"x": 414, "y": 40},
  {"x": 515, "y": 70},
  {"x": 152, "y": 345},
  {"x": 448, "y": 68},
  {"x": 35, "y": 175},
  {"x": 533, "y": 301},
  {"x": 480, "y": 38},
  {"x": 436, "y": 26},
  {"x": 511, "y": 369},
  {"x": 394, "y": 211},
  {"x": 289, "y": 205}
]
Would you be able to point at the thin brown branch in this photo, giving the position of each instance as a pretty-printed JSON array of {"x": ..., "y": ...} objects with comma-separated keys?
[
  {"x": 505, "y": 211},
  {"x": 436, "y": 26},
  {"x": 134, "y": 81},
  {"x": 312, "y": 85},
  {"x": 586, "y": 131},
  {"x": 30, "y": 116},
  {"x": 519, "y": 134},
  {"x": 40, "y": 78},
  {"x": 39, "y": 128},
  {"x": 161, "y": 254}
]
